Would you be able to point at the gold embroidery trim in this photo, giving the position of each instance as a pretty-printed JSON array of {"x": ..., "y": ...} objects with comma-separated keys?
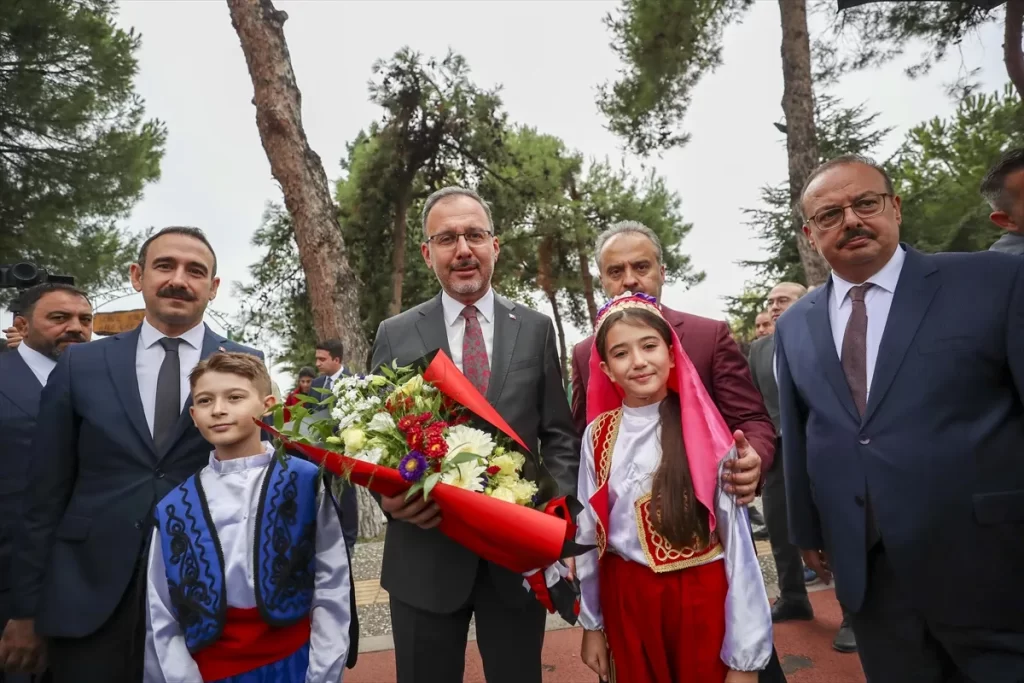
[
  {"x": 661, "y": 555},
  {"x": 604, "y": 436}
]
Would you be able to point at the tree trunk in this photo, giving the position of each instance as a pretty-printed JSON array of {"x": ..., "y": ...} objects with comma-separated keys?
[
  {"x": 556, "y": 314},
  {"x": 546, "y": 282},
  {"x": 371, "y": 519},
  {"x": 801, "y": 137},
  {"x": 584, "y": 256},
  {"x": 333, "y": 286},
  {"x": 398, "y": 255},
  {"x": 1012, "y": 55}
]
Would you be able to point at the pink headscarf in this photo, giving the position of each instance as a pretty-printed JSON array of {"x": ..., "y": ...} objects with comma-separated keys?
[{"x": 706, "y": 437}]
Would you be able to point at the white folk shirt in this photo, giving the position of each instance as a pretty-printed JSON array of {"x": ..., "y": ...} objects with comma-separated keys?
[
  {"x": 232, "y": 489},
  {"x": 149, "y": 356},
  {"x": 635, "y": 458},
  {"x": 455, "y": 324},
  {"x": 40, "y": 365}
]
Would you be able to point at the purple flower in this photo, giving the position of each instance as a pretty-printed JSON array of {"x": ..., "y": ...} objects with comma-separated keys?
[{"x": 413, "y": 465}]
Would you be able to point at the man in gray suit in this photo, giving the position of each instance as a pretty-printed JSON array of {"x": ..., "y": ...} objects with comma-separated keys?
[{"x": 508, "y": 352}]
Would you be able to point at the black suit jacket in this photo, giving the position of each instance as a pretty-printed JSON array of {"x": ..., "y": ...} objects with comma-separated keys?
[
  {"x": 939, "y": 445},
  {"x": 95, "y": 476},
  {"x": 19, "y": 407},
  {"x": 426, "y": 569}
]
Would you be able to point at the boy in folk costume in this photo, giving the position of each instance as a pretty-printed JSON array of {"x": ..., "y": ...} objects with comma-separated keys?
[
  {"x": 248, "y": 571},
  {"x": 673, "y": 593}
]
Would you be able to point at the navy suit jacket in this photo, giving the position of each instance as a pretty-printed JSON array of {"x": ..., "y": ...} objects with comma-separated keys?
[
  {"x": 19, "y": 407},
  {"x": 939, "y": 447},
  {"x": 95, "y": 476}
]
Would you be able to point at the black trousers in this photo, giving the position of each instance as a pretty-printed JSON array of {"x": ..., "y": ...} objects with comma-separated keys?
[
  {"x": 787, "y": 556},
  {"x": 114, "y": 653},
  {"x": 431, "y": 648},
  {"x": 897, "y": 644}
]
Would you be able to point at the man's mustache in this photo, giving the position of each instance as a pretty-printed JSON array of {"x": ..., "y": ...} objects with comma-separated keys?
[
  {"x": 465, "y": 264},
  {"x": 852, "y": 234},
  {"x": 171, "y": 292},
  {"x": 71, "y": 338}
]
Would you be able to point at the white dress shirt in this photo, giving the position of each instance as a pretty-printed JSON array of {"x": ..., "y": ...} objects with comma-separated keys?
[
  {"x": 635, "y": 458},
  {"x": 40, "y": 365},
  {"x": 877, "y": 301},
  {"x": 150, "y": 356},
  {"x": 329, "y": 382},
  {"x": 455, "y": 324},
  {"x": 232, "y": 489}
]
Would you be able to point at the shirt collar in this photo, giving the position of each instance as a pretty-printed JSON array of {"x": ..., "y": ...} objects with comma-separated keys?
[
  {"x": 335, "y": 376},
  {"x": 249, "y": 462},
  {"x": 37, "y": 362},
  {"x": 151, "y": 336},
  {"x": 886, "y": 278},
  {"x": 453, "y": 309}
]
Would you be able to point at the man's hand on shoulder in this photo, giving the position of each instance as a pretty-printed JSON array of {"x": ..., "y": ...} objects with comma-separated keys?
[{"x": 742, "y": 474}]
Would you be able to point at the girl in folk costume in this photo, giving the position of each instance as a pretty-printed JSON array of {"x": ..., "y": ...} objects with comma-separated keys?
[
  {"x": 673, "y": 592},
  {"x": 248, "y": 570}
]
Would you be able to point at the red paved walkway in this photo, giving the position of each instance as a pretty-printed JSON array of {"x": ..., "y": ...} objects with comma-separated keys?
[{"x": 804, "y": 647}]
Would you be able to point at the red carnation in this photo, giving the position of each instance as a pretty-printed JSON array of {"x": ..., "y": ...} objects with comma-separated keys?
[
  {"x": 492, "y": 470},
  {"x": 406, "y": 423},
  {"x": 436, "y": 447},
  {"x": 414, "y": 439}
]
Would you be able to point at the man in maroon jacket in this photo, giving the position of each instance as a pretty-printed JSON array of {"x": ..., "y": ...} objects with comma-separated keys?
[{"x": 629, "y": 256}]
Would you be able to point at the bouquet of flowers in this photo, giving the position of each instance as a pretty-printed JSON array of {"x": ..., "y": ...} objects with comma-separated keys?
[
  {"x": 398, "y": 420},
  {"x": 406, "y": 430}
]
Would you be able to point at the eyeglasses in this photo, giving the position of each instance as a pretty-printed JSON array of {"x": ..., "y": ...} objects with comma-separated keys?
[
  {"x": 865, "y": 207},
  {"x": 447, "y": 240}
]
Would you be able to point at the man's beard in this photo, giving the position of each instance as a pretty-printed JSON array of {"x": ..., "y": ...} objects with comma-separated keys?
[{"x": 53, "y": 349}]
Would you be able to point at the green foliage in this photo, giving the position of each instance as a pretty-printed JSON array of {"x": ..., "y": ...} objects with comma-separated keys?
[
  {"x": 939, "y": 168},
  {"x": 75, "y": 150},
  {"x": 666, "y": 46},
  {"x": 841, "y": 130}
]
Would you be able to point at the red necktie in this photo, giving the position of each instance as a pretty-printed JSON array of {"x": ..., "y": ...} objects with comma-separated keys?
[{"x": 475, "y": 365}]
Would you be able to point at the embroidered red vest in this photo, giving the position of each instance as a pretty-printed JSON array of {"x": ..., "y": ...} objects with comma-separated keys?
[{"x": 661, "y": 555}]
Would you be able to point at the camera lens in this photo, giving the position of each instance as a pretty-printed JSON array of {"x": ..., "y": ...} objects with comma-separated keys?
[{"x": 24, "y": 273}]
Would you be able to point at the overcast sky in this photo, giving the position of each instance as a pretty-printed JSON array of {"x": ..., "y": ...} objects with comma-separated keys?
[{"x": 548, "y": 55}]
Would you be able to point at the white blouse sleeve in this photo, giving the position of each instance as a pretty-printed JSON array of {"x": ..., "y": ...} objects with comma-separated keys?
[
  {"x": 748, "y": 618},
  {"x": 167, "y": 657},
  {"x": 329, "y": 637},
  {"x": 586, "y": 526}
]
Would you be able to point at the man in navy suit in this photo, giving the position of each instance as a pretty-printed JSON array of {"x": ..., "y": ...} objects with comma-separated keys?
[
  {"x": 114, "y": 437},
  {"x": 330, "y": 356},
  {"x": 50, "y": 318},
  {"x": 900, "y": 388}
]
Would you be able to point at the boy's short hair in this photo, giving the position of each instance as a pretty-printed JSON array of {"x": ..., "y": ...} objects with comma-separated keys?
[{"x": 241, "y": 364}]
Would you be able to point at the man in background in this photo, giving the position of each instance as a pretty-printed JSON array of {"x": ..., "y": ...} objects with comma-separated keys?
[
  {"x": 51, "y": 317},
  {"x": 764, "y": 324},
  {"x": 1003, "y": 189}
]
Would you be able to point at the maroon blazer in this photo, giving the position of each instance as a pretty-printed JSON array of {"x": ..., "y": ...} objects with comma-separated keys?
[{"x": 721, "y": 367}]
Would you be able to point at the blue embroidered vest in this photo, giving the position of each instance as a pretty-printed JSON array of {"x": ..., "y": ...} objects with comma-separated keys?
[{"x": 284, "y": 552}]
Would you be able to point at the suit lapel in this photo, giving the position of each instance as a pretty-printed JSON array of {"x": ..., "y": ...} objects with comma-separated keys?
[
  {"x": 915, "y": 290},
  {"x": 121, "y": 362},
  {"x": 211, "y": 344},
  {"x": 506, "y": 330},
  {"x": 431, "y": 327},
  {"x": 820, "y": 326},
  {"x": 18, "y": 383}
]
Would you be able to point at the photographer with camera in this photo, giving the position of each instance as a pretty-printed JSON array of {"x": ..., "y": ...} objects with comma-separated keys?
[{"x": 48, "y": 318}]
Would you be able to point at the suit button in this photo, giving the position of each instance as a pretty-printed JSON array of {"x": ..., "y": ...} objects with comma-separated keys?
[
  {"x": 138, "y": 525},
  {"x": 864, "y": 441},
  {"x": 159, "y": 474},
  {"x": 858, "y": 500}
]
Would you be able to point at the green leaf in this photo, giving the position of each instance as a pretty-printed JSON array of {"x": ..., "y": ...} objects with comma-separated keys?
[
  {"x": 463, "y": 457},
  {"x": 431, "y": 482}
]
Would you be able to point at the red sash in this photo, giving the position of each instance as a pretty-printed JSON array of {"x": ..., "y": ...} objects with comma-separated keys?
[{"x": 247, "y": 643}]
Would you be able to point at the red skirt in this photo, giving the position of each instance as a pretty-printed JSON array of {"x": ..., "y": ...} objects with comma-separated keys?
[{"x": 664, "y": 628}]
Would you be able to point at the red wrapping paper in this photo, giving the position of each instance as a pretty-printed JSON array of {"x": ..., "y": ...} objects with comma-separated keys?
[{"x": 517, "y": 538}]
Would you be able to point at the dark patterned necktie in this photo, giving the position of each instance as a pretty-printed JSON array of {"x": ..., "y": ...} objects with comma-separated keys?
[
  {"x": 168, "y": 393},
  {"x": 855, "y": 366},
  {"x": 475, "y": 364},
  {"x": 855, "y": 345}
]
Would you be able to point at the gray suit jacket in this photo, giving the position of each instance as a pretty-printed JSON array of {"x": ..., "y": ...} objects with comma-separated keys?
[
  {"x": 761, "y": 359},
  {"x": 424, "y": 568}
]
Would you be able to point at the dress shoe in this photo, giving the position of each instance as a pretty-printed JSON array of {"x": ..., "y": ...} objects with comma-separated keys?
[
  {"x": 845, "y": 641},
  {"x": 809, "y": 575},
  {"x": 792, "y": 610},
  {"x": 760, "y": 534}
]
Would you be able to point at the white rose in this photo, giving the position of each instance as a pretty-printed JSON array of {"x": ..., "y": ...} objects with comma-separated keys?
[
  {"x": 382, "y": 422},
  {"x": 506, "y": 464},
  {"x": 505, "y": 494}
]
